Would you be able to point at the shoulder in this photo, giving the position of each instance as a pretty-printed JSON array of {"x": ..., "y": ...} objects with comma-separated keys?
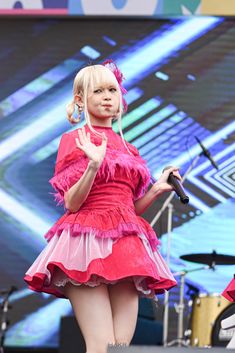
[
  {"x": 119, "y": 141},
  {"x": 67, "y": 140},
  {"x": 71, "y": 134},
  {"x": 68, "y": 151},
  {"x": 67, "y": 144},
  {"x": 132, "y": 148}
]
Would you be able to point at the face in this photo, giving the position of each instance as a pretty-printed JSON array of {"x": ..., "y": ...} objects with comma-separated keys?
[{"x": 103, "y": 102}]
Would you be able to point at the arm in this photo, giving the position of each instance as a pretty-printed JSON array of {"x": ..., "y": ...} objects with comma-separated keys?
[
  {"x": 142, "y": 204},
  {"x": 158, "y": 188},
  {"x": 78, "y": 193}
]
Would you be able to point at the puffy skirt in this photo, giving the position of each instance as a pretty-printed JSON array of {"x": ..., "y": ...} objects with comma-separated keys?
[
  {"x": 229, "y": 292},
  {"x": 91, "y": 260}
]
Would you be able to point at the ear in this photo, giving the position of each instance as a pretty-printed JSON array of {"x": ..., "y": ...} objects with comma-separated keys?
[{"x": 78, "y": 99}]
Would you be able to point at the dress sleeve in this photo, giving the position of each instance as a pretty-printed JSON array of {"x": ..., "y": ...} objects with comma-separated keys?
[
  {"x": 71, "y": 163},
  {"x": 143, "y": 181}
]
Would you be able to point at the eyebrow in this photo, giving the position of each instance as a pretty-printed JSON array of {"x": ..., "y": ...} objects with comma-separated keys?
[{"x": 109, "y": 86}]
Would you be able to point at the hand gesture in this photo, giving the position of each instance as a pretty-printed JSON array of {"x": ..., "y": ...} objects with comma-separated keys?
[
  {"x": 162, "y": 183},
  {"x": 95, "y": 153}
]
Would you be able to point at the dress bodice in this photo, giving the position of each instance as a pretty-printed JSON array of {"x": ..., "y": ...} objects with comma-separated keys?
[{"x": 123, "y": 176}]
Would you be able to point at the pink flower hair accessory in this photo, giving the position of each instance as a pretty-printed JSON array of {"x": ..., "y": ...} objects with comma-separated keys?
[{"x": 110, "y": 64}]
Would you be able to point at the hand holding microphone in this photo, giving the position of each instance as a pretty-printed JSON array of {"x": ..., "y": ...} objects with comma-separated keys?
[{"x": 175, "y": 181}]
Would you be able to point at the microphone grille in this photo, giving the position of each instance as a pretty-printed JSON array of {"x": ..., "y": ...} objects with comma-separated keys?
[{"x": 167, "y": 167}]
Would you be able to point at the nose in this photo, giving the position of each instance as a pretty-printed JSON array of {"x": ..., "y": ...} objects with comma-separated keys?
[{"x": 107, "y": 95}]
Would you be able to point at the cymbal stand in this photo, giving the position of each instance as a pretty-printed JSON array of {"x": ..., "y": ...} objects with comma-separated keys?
[
  {"x": 180, "y": 341},
  {"x": 168, "y": 204}
]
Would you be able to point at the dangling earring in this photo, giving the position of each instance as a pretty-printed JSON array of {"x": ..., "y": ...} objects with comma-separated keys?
[{"x": 79, "y": 111}]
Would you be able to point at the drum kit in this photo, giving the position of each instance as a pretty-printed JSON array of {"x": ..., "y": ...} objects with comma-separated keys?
[{"x": 207, "y": 310}]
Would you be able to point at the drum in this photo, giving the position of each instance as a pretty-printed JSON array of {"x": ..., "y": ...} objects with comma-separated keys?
[
  {"x": 220, "y": 337},
  {"x": 206, "y": 309}
]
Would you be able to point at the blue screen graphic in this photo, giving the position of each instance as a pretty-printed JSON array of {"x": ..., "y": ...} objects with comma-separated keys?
[{"x": 180, "y": 82}]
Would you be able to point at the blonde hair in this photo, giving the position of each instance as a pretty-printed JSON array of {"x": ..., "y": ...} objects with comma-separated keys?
[{"x": 85, "y": 80}]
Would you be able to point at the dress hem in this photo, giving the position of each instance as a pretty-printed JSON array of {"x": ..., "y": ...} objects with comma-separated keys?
[{"x": 37, "y": 283}]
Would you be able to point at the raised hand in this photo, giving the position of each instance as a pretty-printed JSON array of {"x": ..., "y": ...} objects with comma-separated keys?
[{"x": 95, "y": 153}]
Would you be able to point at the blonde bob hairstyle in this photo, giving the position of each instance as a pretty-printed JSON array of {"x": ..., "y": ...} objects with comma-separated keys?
[{"x": 85, "y": 81}]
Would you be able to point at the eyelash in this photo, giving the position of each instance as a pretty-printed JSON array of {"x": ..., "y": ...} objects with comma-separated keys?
[{"x": 111, "y": 90}]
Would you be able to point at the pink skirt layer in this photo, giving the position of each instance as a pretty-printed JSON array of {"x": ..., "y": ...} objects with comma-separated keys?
[{"x": 91, "y": 260}]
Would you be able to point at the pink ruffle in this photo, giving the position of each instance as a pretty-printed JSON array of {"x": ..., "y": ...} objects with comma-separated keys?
[
  {"x": 114, "y": 223},
  {"x": 132, "y": 167},
  {"x": 229, "y": 292},
  {"x": 91, "y": 261},
  {"x": 62, "y": 181}
]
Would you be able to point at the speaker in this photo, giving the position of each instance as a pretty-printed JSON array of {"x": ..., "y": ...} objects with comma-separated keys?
[
  {"x": 148, "y": 332},
  {"x": 148, "y": 309},
  {"x": 70, "y": 338}
]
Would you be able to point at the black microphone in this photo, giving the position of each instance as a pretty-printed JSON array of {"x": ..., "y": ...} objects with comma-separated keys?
[
  {"x": 207, "y": 153},
  {"x": 177, "y": 186}
]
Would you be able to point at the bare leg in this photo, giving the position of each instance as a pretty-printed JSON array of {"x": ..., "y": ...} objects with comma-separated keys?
[
  {"x": 92, "y": 310},
  {"x": 124, "y": 303}
]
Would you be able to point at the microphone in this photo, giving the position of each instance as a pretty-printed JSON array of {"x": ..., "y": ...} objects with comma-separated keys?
[
  {"x": 177, "y": 187},
  {"x": 207, "y": 153}
]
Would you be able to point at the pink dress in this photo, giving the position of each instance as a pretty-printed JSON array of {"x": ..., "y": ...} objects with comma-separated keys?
[
  {"x": 104, "y": 241},
  {"x": 229, "y": 292}
]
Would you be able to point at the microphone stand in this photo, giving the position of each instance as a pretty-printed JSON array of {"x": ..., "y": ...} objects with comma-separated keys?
[
  {"x": 168, "y": 204},
  {"x": 5, "y": 306}
]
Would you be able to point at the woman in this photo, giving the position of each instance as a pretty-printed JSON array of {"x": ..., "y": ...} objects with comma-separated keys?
[{"x": 101, "y": 254}]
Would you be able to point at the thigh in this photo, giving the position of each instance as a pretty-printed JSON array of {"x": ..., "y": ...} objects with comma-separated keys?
[
  {"x": 92, "y": 309},
  {"x": 124, "y": 303}
]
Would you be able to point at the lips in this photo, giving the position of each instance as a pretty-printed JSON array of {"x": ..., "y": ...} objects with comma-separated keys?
[{"x": 107, "y": 105}]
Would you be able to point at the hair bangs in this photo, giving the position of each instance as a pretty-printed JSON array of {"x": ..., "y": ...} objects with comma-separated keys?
[{"x": 100, "y": 75}]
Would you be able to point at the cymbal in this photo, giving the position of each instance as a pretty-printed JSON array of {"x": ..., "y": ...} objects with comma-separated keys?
[{"x": 210, "y": 258}]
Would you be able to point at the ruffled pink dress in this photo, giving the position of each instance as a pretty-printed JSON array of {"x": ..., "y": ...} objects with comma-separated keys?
[
  {"x": 229, "y": 292},
  {"x": 104, "y": 241}
]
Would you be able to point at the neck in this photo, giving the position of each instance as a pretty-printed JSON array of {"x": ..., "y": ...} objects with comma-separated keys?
[
  {"x": 101, "y": 122},
  {"x": 101, "y": 127}
]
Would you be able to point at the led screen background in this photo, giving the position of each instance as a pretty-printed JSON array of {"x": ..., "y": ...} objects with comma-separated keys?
[{"x": 180, "y": 80}]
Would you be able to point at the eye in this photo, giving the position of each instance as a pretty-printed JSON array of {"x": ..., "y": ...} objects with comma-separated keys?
[
  {"x": 113, "y": 89},
  {"x": 99, "y": 90}
]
